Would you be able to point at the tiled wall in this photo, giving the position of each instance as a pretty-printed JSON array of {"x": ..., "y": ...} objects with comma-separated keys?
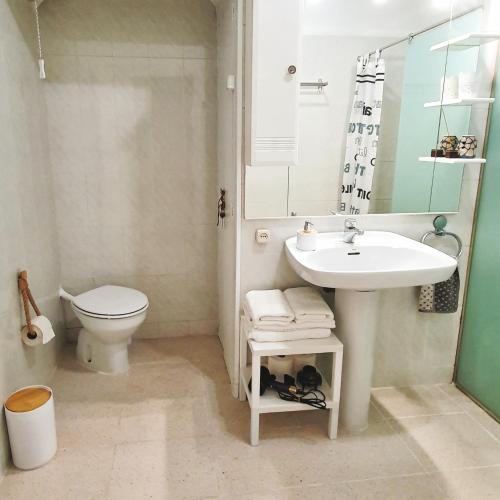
[
  {"x": 27, "y": 228},
  {"x": 411, "y": 347},
  {"x": 131, "y": 99}
]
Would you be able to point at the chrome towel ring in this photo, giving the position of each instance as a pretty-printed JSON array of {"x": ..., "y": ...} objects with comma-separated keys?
[{"x": 439, "y": 224}]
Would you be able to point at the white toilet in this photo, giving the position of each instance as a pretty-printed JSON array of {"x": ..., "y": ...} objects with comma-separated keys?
[{"x": 110, "y": 315}]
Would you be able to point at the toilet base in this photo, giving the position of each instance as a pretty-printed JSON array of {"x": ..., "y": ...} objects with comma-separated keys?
[{"x": 100, "y": 357}]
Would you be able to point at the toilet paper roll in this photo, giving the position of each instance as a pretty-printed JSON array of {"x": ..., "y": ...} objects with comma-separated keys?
[
  {"x": 280, "y": 366},
  {"x": 43, "y": 329},
  {"x": 301, "y": 360}
]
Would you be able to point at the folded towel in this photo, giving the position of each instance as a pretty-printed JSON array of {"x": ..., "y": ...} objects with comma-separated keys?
[
  {"x": 441, "y": 297},
  {"x": 294, "y": 326},
  {"x": 287, "y": 327},
  {"x": 278, "y": 336},
  {"x": 308, "y": 305},
  {"x": 268, "y": 306}
]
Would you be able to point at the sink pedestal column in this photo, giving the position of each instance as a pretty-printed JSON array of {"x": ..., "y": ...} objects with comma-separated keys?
[{"x": 356, "y": 319}]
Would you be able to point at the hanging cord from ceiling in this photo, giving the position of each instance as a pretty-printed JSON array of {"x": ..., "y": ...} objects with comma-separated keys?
[{"x": 41, "y": 60}]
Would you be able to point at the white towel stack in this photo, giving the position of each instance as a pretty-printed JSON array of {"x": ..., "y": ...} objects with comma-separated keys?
[{"x": 297, "y": 313}]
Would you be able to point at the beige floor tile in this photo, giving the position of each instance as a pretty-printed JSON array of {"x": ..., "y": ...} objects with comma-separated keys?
[
  {"x": 478, "y": 484},
  {"x": 148, "y": 352},
  {"x": 195, "y": 350},
  {"x": 162, "y": 470},
  {"x": 81, "y": 385},
  {"x": 447, "y": 442},
  {"x": 160, "y": 381},
  {"x": 73, "y": 474},
  {"x": 396, "y": 488},
  {"x": 472, "y": 409},
  {"x": 302, "y": 456},
  {"x": 417, "y": 487},
  {"x": 226, "y": 414},
  {"x": 271, "y": 495},
  {"x": 87, "y": 431},
  {"x": 171, "y": 429},
  {"x": 87, "y": 424},
  {"x": 319, "y": 419},
  {"x": 164, "y": 420},
  {"x": 397, "y": 402}
]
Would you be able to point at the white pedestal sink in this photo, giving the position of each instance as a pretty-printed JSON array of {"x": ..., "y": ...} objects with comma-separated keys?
[{"x": 376, "y": 260}]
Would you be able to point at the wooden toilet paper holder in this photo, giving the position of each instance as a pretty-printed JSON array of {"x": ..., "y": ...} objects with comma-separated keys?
[{"x": 24, "y": 290}]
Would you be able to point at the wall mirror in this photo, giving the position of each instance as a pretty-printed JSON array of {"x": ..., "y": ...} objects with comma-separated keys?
[{"x": 358, "y": 158}]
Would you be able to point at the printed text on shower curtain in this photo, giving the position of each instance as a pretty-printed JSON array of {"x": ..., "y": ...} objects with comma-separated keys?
[{"x": 362, "y": 138}]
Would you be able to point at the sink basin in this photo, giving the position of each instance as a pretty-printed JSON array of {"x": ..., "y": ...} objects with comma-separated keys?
[{"x": 376, "y": 260}]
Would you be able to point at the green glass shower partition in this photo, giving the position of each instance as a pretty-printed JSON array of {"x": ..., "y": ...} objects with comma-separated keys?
[{"x": 478, "y": 370}]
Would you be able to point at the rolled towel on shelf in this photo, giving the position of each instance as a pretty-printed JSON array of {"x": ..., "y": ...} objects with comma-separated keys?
[
  {"x": 280, "y": 366},
  {"x": 280, "y": 336},
  {"x": 308, "y": 305},
  {"x": 267, "y": 307}
]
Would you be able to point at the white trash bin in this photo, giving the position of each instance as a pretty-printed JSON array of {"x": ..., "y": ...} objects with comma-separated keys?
[{"x": 31, "y": 425}]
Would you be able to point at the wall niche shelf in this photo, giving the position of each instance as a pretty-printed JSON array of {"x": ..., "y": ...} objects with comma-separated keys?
[
  {"x": 452, "y": 161},
  {"x": 467, "y": 41},
  {"x": 470, "y": 101}
]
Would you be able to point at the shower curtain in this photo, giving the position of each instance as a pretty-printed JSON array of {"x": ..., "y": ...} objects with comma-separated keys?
[{"x": 362, "y": 137}]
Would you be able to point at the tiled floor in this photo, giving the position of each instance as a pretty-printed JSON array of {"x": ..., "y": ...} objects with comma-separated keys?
[{"x": 170, "y": 430}]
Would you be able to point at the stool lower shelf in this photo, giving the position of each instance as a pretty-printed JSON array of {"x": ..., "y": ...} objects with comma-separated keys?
[{"x": 270, "y": 402}]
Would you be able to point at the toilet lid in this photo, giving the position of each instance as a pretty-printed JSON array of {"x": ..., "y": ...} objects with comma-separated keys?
[{"x": 111, "y": 300}]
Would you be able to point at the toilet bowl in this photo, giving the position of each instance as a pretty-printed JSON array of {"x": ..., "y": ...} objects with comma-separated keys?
[{"x": 110, "y": 315}]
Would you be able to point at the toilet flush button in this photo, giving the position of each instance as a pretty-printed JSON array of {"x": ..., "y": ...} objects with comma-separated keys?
[{"x": 262, "y": 235}]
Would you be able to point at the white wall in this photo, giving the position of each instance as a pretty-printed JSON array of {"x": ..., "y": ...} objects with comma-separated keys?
[
  {"x": 229, "y": 129},
  {"x": 131, "y": 98},
  {"x": 27, "y": 213}
]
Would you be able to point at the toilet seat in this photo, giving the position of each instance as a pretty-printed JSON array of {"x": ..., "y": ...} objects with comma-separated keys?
[{"x": 111, "y": 302}]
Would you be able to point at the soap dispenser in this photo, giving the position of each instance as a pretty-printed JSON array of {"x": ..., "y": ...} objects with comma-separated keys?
[{"x": 307, "y": 238}]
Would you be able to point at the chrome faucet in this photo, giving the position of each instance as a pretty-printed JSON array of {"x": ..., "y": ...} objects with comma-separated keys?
[{"x": 351, "y": 230}]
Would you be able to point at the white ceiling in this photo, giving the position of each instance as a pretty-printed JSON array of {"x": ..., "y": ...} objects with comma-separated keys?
[{"x": 378, "y": 17}]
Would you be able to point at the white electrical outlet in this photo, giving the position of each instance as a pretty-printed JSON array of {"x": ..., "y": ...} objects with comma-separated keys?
[{"x": 262, "y": 235}]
